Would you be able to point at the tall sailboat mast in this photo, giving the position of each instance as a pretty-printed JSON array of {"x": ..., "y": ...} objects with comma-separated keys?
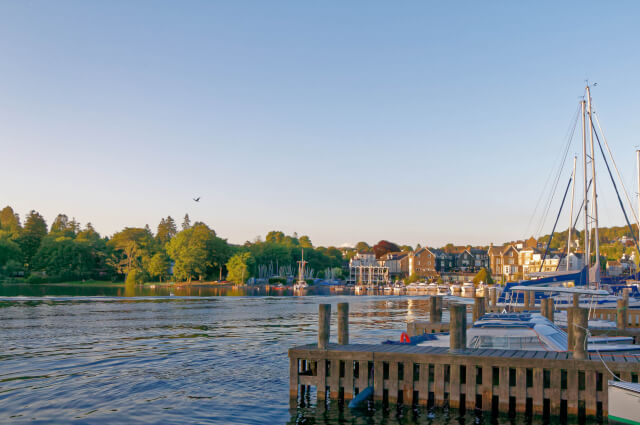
[
  {"x": 573, "y": 188},
  {"x": 594, "y": 207},
  {"x": 587, "y": 253},
  {"x": 638, "y": 166}
]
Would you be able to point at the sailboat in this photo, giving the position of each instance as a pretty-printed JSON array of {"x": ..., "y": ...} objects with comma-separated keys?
[
  {"x": 589, "y": 276},
  {"x": 301, "y": 283}
]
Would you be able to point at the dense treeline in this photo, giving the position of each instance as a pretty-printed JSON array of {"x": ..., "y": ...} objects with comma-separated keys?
[{"x": 67, "y": 251}]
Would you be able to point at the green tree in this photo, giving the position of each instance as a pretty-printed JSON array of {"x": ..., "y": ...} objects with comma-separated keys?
[
  {"x": 63, "y": 258},
  {"x": 238, "y": 267},
  {"x": 62, "y": 226},
  {"x": 159, "y": 265},
  {"x": 275, "y": 236},
  {"x": 10, "y": 222},
  {"x": 363, "y": 247},
  {"x": 305, "y": 242},
  {"x": 35, "y": 229},
  {"x": 166, "y": 230},
  {"x": 195, "y": 251},
  {"x": 483, "y": 276},
  {"x": 132, "y": 247},
  {"x": 186, "y": 222},
  {"x": 10, "y": 256}
]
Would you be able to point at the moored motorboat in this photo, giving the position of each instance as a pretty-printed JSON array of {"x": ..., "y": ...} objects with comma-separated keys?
[{"x": 624, "y": 403}]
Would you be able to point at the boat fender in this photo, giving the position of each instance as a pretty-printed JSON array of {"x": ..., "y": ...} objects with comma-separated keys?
[{"x": 404, "y": 338}]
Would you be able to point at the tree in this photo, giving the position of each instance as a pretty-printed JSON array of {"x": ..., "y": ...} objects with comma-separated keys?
[
  {"x": 10, "y": 221},
  {"x": 238, "y": 267},
  {"x": 35, "y": 229},
  {"x": 159, "y": 265},
  {"x": 195, "y": 251},
  {"x": 483, "y": 276},
  {"x": 275, "y": 236},
  {"x": 166, "y": 230},
  {"x": 133, "y": 246},
  {"x": 186, "y": 222},
  {"x": 305, "y": 242},
  {"x": 63, "y": 258},
  {"x": 62, "y": 226},
  {"x": 10, "y": 256},
  {"x": 384, "y": 247},
  {"x": 362, "y": 247}
]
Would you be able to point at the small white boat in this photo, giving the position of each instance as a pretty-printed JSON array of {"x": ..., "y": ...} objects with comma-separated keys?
[
  {"x": 443, "y": 289},
  {"x": 624, "y": 403},
  {"x": 468, "y": 288},
  {"x": 456, "y": 289}
]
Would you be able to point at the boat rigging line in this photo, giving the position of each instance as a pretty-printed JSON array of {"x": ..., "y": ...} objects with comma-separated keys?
[
  {"x": 546, "y": 251},
  {"x": 569, "y": 136},
  {"x": 626, "y": 218}
]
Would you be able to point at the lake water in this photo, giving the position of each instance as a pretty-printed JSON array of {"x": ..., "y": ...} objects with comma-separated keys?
[{"x": 92, "y": 355}]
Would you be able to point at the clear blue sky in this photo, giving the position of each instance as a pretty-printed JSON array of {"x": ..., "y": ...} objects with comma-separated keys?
[{"x": 418, "y": 122}]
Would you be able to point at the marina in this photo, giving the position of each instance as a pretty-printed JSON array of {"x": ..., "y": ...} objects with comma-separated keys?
[{"x": 552, "y": 379}]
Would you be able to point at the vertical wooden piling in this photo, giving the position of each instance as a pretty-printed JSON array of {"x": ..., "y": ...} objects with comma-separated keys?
[
  {"x": 494, "y": 297},
  {"x": 343, "y": 323},
  {"x": 526, "y": 302},
  {"x": 478, "y": 308},
  {"x": 570, "y": 330},
  {"x": 580, "y": 324},
  {"x": 457, "y": 326},
  {"x": 324, "y": 318},
  {"x": 435, "y": 309},
  {"x": 543, "y": 306},
  {"x": 576, "y": 300},
  {"x": 621, "y": 314},
  {"x": 550, "y": 309}
]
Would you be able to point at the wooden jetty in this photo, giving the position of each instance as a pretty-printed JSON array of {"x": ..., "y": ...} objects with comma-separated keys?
[{"x": 509, "y": 381}]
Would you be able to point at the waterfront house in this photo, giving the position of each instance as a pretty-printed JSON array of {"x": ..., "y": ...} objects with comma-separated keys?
[{"x": 422, "y": 263}]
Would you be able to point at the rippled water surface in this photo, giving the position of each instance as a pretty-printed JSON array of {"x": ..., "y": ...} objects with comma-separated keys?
[{"x": 182, "y": 360}]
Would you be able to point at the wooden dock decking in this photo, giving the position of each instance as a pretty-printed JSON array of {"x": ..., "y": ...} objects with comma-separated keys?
[{"x": 536, "y": 382}]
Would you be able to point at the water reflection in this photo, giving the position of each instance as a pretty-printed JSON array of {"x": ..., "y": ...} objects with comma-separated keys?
[{"x": 336, "y": 412}]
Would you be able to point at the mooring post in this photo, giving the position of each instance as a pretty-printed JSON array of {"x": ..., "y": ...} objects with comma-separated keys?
[
  {"x": 550, "y": 309},
  {"x": 543, "y": 307},
  {"x": 580, "y": 324},
  {"x": 576, "y": 300},
  {"x": 343, "y": 323},
  {"x": 494, "y": 297},
  {"x": 525, "y": 303},
  {"x": 621, "y": 314},
  {"x": 570, "y": 328},
  {"x": 435, "y": 309},
  {"x": 324, "y": 318},
  {"x": 457, "y": 326},
  {"x": 625, "y": 295},
  {"x": 478, "y": 308}
]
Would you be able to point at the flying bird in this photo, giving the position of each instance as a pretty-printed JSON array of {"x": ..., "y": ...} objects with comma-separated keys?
[{"x": 197, "y": 199}]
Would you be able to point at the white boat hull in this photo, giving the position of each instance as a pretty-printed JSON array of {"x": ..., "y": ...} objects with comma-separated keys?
[{"x": 624, "y": 403}]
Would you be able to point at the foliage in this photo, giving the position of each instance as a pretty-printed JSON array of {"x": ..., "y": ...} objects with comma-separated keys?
[
  {"x": 10, "y": 257},
  {"x": 10, "y": 222},
  {"x": 35, "y": 229},
  {"x": 166, "y": 230},
  {"x": 196, "y": 251},
  {"x": 384, "y": 247},
  {"x": 362, "y": 247},
  {"x": 132, "y": 247},
  {"x": 412, "y": 278},
  {"x": 483, "y": 276},
  {"x": 238, "y": 267},
  {"x": 64, "y": 258},
  {"x": 62, "y": 226},
  {"x": 158, "y": 266},
  {"x": 277, "y": 280}
]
